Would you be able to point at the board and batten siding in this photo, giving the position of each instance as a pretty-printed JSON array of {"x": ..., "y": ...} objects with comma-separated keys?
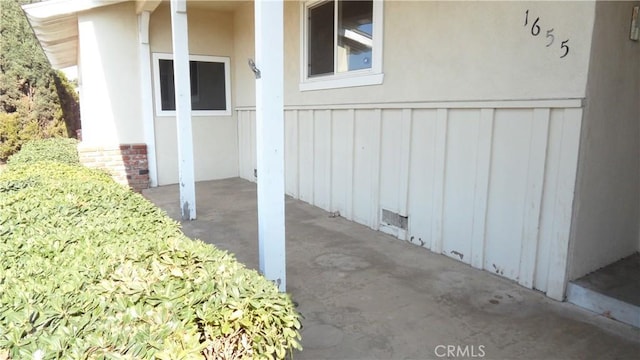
[{"x": 490, "y": 183}]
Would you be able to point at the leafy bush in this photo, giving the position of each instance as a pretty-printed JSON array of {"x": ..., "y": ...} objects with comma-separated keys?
[
  {"x": 14, "y": 132},
  {"x": 62, "y": 150},
  {"x": 92, "y": 270}
]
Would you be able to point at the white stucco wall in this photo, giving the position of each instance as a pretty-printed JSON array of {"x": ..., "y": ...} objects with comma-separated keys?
[
  {"x": 244, "y": 90},
  {"x": 214, "y": 137},
  {"x": 605, "y": 225},
  {"x": 109, "y": 75},
  {"x": 449, "y": 51}
]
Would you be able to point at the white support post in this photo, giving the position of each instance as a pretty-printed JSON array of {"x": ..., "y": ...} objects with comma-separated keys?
[
  {"x": 146, "y": 97},
  {"x": 182, "y": 80},
  {"x": 270, "y": 139}
]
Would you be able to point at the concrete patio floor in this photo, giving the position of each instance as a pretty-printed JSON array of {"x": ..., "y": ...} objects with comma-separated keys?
[{"x": 366, "y": 295}]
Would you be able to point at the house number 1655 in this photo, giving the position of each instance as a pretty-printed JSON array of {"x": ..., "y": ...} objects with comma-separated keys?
[{"x": 549, "y": 36}]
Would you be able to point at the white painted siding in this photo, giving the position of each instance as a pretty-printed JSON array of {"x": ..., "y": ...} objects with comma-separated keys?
[
  {"x": 486, "y": 183},
  {"x": 342, "y": 162},
  {"x": 459, "y": 182},
  {"x": 247, "y": 144}
]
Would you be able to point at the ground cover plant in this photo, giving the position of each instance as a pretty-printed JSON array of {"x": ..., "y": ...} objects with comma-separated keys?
[
  {"x": 61, "y": 150},
  {"x": 92, "y": 270}
]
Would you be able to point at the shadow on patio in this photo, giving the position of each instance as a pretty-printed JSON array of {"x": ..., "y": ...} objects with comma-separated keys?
[{"x": 366, "y": 295}]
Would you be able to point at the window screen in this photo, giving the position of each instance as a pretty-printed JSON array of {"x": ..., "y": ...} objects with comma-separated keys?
[
  {"x": 353, "y": 36},
  {"x": 208, "y": 88},
  {"x": 321, "y": 39}
]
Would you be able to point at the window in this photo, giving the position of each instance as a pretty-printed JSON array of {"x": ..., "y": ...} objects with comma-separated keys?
[
  {"x": 342, "y": 44},
  {"x": 210, "y": 90}
]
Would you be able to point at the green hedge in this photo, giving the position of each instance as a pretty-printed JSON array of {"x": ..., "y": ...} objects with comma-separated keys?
[
  {"x": 62, "y": 150},
  {"x": 89, "y": 269}
]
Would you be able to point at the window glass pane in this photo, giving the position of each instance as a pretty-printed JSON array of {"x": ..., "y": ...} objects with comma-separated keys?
[
  {"x": 208, "y": 88},
  {"x": 167, "y": 89},
  {"x": 355, "y": 35},
  {"x": 193, "y": 74},
  {"x": 321, "y": 38}
]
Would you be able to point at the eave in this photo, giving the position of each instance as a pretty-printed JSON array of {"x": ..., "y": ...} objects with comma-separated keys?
[{"x": 55, "y": 24}]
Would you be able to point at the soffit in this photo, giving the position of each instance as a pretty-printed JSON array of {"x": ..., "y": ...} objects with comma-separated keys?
[{"x": 55, "y": 22}]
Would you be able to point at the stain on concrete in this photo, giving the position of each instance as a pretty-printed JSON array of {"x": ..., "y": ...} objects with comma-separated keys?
[
  {"x": 510, "y": 302},
  {"x": 319, "y": 336},
  {"x": 342, "y": 262}
]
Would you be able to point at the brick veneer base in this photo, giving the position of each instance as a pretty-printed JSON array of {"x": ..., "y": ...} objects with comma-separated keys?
[{"x": 127, "y": 163}]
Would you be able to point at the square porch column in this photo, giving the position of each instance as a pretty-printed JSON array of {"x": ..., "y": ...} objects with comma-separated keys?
[
  {"x": 270, "y": 139},
  {"x": 182, "y": 81}
]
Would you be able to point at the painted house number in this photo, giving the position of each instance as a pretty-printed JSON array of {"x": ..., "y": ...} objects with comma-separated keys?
[{"x": 536, "y": 30}]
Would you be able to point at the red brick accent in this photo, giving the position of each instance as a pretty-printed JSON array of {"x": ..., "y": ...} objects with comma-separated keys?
[{"x": 127, "y": 163}]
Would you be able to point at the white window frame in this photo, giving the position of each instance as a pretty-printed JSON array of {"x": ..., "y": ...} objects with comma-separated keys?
[
  {"x": 202, "y": 58},
  {"x": 363, "y": 77}
]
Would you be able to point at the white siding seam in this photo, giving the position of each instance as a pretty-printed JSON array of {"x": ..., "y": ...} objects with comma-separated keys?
[
  {"x": 405, "y": 164},
  {"x": 350, "y": 159},
  {"x": 376, "y": 158},
  {"x": 563, "y": 207},
  {"x": 481, "y": 192},
  {"x": 329, "y": 165},
  {"x": 241, "y": 140},
  {"x": 438, "y": 182},
  {"x": 254, "y": 150},
  {"x": 552, "y": 290},
  {"x": 297, "y": 152},
  {"x": 312, "y": 146},
  {"x": 533, "y": 196}
]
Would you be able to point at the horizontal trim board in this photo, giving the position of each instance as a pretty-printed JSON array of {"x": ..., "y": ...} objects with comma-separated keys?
[
  {"x": 476, "y": 104},
  {"x": 334, "y": 82},
  {"x": 603, "y": 305}
]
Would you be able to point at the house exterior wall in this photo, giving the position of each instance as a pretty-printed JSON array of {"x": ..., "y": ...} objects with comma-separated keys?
[
  {"x": 112, "y": 128},
  {"x": 109, "y": 76},
  {"x": 607, "y": 208},
  {"x": 214, "y": 137},
  {"x": 473, "y": 136},
  {"x": 448, "y": 51}
]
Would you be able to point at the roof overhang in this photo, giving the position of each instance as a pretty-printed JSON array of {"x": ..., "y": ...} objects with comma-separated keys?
[{"x": 55, "y": 24}]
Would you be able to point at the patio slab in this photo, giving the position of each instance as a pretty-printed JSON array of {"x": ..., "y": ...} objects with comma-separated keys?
[{"x": 367, "y": 295}]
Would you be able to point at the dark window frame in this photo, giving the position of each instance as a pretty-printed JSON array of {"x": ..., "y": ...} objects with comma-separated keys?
[{"x": 210, "y": 85}]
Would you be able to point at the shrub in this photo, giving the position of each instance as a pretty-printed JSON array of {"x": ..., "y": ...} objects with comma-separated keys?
[
  {"x": 62, "y": 150},
  {"x": 92, "y": 270},
  {"x": 9, "y": 135}
]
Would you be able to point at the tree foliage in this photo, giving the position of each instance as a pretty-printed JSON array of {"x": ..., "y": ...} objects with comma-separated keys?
[{"x": 36, "y": 101}]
